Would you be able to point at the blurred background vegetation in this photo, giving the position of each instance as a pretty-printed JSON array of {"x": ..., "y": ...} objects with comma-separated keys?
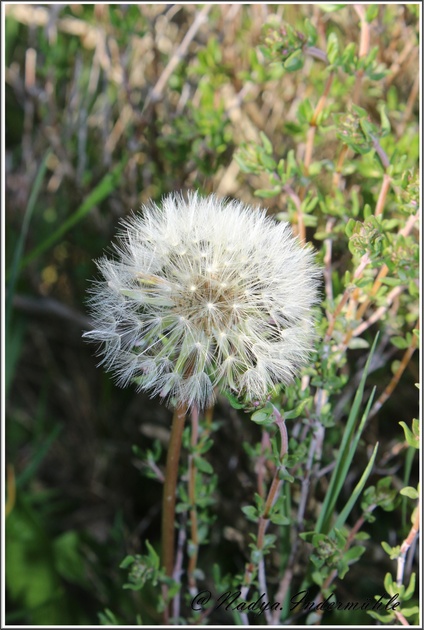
[{"x": 108, "y": 106}]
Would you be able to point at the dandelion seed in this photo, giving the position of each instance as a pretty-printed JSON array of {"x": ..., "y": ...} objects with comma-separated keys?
[{"x": 204, "y": 293}]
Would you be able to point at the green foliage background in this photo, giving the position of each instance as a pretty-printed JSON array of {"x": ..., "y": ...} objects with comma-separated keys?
[{"x": 108, "y": 106}]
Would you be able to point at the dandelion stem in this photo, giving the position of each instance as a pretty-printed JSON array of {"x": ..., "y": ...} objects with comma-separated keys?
[
  {"x": 192, "y": 498},
  {"x": 169, "y": 489}
]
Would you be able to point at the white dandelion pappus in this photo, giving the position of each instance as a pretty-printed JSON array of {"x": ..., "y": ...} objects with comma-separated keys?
[{"x": 204, "y": 292}]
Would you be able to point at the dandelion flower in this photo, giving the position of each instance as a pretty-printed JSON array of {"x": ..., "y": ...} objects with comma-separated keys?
[{"x": 204, "y": 293}]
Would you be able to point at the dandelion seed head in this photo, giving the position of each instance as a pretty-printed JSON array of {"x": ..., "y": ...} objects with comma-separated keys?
[{"x": 204, "y": 293}]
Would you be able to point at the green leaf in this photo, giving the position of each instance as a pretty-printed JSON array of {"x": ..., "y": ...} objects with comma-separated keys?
[
  {"x": 371, "y": 12},
  {"x": 285, "y": 476},
  {"x": 107, "y": 618},
  {"x": 384, "y": 619},
  {"x": 267, "y": 162},
  {"x": 267, "y": 193},
  {"x": 350, "y": 226},
  {"x": 294, "y": 62},
  {"x": 318, "y": 578},
  {"x": 399, "y": 342},
  {"x": 305, "y": 111},
  {"x": 250, "y": 512},
  {"x": 330, "y": 8},
  {"x": 311, "y": 32},
  {"x": 411, "y": 588},
  {"x": 412, "y": 439},
  {"x": 297, "y": 411},
  {"x": 126, "y": 562},
  {"x": 262, "y": 416},
  {"x": 307, "y": 536},
  {"x": 388, "y": 583},
  {"x": 332, "y": 48},
  {"x": 409, "y": 611},
  {"x": 234, "y": 402},
  {"x": 385, "y": 122},
  {"x": 266, "y": 143},
  {"x": 393, "y": 552},
  {"x": 410, "y": 492},
  {"x": 68, "y": 557},
  {"x": 153, "y": 556},
  {"x": 357, "y": 343},
  {"x": 203, "y": 465},
  {"x": 279, "y": 519}
]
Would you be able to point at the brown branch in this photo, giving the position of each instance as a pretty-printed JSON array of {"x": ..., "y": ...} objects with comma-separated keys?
[
  {"x": 377, "y": 284},
  {"x": 297, "y": 202},
  {"x": 396, "y": 378},
  {"x": 406, "y": 545},
  {"x": 397, "y": 64},
  {"x": 401, "y": 618},
  {"x": 385, "y": 187},
  {"x": 313, "y": 123},
  {"x": 364, "y": 46},
  {"x": 409, "y": 105},
  {"x": 377, "y": 314},
  {"x": 315, "y": 52},
  {"x": 156, "y": 92},
  {"x": 405, "y": 231},
  {"x": 338, "y": 172}
]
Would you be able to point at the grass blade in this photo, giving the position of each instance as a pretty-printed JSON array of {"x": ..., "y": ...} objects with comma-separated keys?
[
  {"x": 346, "y": 452},
  {"x": 31, "y": 469},
  {"x": 341, "y": 519},
  {"x": 102, "y": 190},
  {"x": 16, "y": 263}
]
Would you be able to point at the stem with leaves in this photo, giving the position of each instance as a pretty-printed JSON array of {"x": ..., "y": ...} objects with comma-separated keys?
[{"x": 264, "y": 518}]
